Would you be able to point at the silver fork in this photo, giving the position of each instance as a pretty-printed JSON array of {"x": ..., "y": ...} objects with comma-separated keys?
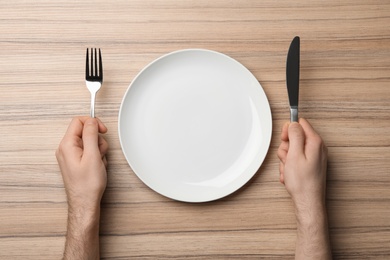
[{"x": 93, "y": 76}]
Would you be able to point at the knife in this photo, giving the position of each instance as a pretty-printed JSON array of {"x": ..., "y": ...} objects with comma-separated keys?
[{"x": 292, "y": 78}]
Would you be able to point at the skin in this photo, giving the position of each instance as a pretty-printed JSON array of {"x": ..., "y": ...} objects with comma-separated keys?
[
  {"x": 81, "y": 156},
  {"x": 303, "y": 165}
]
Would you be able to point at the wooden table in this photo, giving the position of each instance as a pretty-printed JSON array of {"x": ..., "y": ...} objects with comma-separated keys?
[{"x": 345, "y": 93}]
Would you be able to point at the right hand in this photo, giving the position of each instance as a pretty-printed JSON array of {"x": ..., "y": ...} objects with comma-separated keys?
[{"x": 303, "y": 164}]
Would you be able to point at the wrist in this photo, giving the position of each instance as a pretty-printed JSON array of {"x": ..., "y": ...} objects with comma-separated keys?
[
  {"x": 83, "y": 202},
  {"x": 85, "y": 218},
  {"x": 310, "y": 213},
  {"x": 312, "y": 224}
]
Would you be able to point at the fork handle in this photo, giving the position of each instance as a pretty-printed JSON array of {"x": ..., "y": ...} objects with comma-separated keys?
[{"x": 93, "y": 95}]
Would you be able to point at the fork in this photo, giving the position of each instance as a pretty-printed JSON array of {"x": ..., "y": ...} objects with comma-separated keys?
[{"x": 93, "y": 78}]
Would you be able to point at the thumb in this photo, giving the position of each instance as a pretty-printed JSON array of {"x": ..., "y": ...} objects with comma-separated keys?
[
  {"x": 296, "y": 137},
  {"x": 91, "y": 137}
]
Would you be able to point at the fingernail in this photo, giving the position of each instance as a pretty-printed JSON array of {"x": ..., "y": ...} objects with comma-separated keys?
[
  {"x": 293, "y": 124},
  {"x": 91, "y": 121}
]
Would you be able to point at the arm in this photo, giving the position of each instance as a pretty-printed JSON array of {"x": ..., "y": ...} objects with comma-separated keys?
[
  {"x": 303, "y": 163},
  {"x": 82, "y": 160}
]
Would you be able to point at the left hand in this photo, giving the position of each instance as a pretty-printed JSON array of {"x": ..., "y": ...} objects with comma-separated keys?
[{"x": 81, "y": 156}]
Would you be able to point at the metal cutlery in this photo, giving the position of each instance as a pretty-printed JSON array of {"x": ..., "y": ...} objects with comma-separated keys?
[
  {"x": 93, "y": 76},
  {"x": 292, "y": 77}
]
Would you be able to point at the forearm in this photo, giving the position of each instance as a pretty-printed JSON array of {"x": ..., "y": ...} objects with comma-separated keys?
[
  {"x": 312, "y": 235},
  {"x": 82, "y": 238}
]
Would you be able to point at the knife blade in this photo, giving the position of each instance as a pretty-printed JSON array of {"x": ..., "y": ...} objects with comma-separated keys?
[{"x": 292, "y": 77}]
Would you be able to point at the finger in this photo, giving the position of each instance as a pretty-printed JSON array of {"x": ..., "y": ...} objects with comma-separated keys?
[
  {"x": 325, "y": 149},
  {"x": 72, "y": 138},
  {"x": 75, "y": 127},
  {"x": 91, "y": 137},
  {"x": 313, "y": 139},
  {"x": 102, "y": 127},
  {"x": 307, "y": 128},
  {"x": 284, "y": 134},
  {"x": 103, "y": 146},
  {"x": 105, "y": 161},
  {"x": 284, "y": 146},
  {"x": 77, "y": 124},
  {"x": 281, "y": 171},
  {"x": 282, "y": 151},
  {"x": 296, "y": 137}
]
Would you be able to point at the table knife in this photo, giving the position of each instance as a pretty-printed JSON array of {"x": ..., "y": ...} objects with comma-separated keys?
[{"x": 292, "y": 78}]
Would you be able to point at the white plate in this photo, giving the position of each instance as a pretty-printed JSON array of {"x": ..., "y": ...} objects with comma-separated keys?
[{"x": 195, "y": 125}]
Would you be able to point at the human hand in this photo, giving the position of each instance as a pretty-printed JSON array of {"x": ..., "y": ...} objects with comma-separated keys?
[
  {"x": 303, "y": 160},
  {"x": 81, "y": 156},
  {"x": 303, "y": 164}
]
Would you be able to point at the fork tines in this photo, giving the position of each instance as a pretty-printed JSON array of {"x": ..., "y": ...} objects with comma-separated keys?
[{"x": 96, "y": 72}]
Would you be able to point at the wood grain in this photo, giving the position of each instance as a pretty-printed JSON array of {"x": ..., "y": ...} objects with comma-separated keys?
[{"x": 345, "y": 93}]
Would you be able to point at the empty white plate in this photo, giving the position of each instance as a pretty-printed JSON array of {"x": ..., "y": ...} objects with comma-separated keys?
[{"x": 195, "y": 125}]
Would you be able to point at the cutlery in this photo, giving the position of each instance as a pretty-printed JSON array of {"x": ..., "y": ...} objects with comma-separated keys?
[
  {"x": 292, "y": 77},
  {"x": 93, "y": 76}
]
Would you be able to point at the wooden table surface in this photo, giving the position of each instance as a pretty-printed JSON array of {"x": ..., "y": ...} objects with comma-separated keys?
[{"x": 345, "y": 93}]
